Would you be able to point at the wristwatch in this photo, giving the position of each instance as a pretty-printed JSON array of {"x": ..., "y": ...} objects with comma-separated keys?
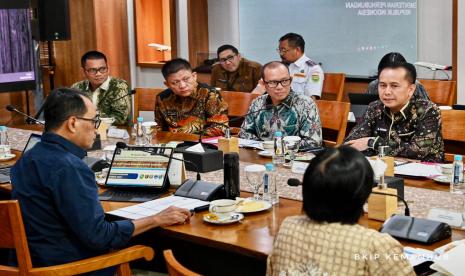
[{"x": 371, "y": 143}]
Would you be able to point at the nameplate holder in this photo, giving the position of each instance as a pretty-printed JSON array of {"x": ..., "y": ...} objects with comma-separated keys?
[{"x": 454, "y": 219}]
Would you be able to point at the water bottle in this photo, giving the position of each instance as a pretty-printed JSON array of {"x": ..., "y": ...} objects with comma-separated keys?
[
  {"x": 140, "y": 140},
  {"x": 4, "y": 136},
  {"x": 270, "y": 189},
  {"x": 278, "y": 157},
  {"x": 231, "y": 175},
  {"x": 4, "y": 144},
  {"x": 457, "y": 184}
]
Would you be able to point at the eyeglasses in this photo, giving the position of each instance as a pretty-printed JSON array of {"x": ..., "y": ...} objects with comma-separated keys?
[
  {"x": 283, "y": 50},
  {"x": 93, "y": 71},
  {"x": 178, "y": 82},
  {"x": 226, "y": 59},
  {"x": 274, "y": 84},
  {"x": 96, "y": 120}
]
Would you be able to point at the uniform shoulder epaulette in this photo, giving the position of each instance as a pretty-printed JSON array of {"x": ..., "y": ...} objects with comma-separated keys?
[{"x": 311, "y": 62}]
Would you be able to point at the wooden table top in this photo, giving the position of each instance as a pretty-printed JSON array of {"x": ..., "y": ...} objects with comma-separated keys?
[{"x": 254, "y": 235}]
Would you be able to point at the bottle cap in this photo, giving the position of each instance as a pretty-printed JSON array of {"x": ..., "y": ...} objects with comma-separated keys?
[
  {"x": 269, "y": 167},
  {"x": 457, "y": 157},
  {"x": 140, "y": 119},
  {"x": 278, "y": 134}
]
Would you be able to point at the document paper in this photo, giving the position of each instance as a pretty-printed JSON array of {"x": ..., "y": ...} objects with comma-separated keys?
[{"x": 153, "y": 207}]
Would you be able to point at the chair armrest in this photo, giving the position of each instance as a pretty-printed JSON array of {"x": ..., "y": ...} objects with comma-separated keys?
[{"x": 103, "y": 261}]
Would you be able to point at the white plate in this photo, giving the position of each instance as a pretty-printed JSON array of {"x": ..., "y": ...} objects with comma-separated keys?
[
  {"x": 7, "y": 157},
  {"x": 211, "y": 218},
  {"x": 265, "y": 153},
  {"x": 264, "y": 205},
  {"x": 442, "y": 179}
]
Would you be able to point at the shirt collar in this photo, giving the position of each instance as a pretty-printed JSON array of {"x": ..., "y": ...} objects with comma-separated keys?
[
  {"x": 54, "y": 138},
  {"x": 287, "y": 102},
  {"x": 104, "y": 86},
  {"x": 404, "y": 111},
  {"x": 301, "y": 61}
]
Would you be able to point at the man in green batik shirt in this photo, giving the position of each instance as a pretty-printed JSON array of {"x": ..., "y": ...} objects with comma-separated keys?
[
  {"x": 106, "y": 92},
  {"x": 281, "y": 109}
]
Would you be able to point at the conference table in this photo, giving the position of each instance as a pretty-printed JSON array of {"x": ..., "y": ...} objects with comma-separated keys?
[{"x": 242, "y": 248}]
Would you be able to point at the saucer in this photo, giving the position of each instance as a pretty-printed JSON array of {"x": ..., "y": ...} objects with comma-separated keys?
[
  {"x": 252, "y": 206},
  {"x": 233, "y": 218},
  {"x": 265, "y": 153},
  {"x": 7, "y": 157}
]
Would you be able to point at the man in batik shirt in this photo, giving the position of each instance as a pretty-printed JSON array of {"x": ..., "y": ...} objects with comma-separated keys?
[
  {"x": 109, "y": 94},
  {"x": 187, "y": 106},
  {"x": 282, "y": 110},
  {"x": 409, "y": 126}
]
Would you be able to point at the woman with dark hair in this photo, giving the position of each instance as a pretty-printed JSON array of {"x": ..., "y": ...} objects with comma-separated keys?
[
  {"x": 389, "y": 58},
  {"x": 327, "y": 240}
]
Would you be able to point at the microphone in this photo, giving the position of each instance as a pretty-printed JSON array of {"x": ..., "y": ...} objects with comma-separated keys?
[
  {"x": 266, "y": 107},
  {"x": 29, "y": 118},
  {"x": 122, "y": 145},
  {"x": 294, "y": 182},
  {"x": 130, "y": 93}
]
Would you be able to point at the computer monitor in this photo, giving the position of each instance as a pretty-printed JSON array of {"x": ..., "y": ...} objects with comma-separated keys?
[
  {"x": 16, "y": 46},
  {"x": 140, "y": 167}
]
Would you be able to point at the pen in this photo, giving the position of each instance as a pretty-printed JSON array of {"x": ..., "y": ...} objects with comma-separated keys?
[{"x": 403, "y": 163}]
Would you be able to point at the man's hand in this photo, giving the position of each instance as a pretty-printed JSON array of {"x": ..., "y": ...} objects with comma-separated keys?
[
  {"x": 172, "y": 215},
  {"x": 360, "y": 144},
  {"x": 169, "y": 216}
]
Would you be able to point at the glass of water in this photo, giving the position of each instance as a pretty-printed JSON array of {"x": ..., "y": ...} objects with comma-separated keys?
[
  {"x": 254, "y": 175},
  {"x": 291, "y": 147}
]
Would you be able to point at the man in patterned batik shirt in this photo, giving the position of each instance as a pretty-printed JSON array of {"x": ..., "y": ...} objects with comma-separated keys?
[
  {"x": 188, "y": 106},
  {"x": 282, "y": 110},
  {"x": 106, "y": 92},
  {"x": 409, "y": 126}
]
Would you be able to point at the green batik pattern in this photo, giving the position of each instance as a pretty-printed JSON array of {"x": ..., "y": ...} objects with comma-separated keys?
[{"x": 108, "y": 105}]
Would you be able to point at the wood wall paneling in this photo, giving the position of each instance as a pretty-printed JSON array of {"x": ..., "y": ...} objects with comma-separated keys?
[
  {"x": 111, "y": 30},
  {"x": 198, "y": 29},
  {"x": 149, "y": 18},
  {"x": 83, "y": 38}
]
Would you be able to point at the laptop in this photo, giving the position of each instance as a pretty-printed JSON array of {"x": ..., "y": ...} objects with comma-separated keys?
[
  {"x": 137, "y": 174},
  {"x": 31, "y": 142},
  {"x": 359, "y": 104}
]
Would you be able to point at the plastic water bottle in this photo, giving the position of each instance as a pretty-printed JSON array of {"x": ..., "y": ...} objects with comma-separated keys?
[
  {"x": 4, "y": 143},
  {"x": 140, "y": 139},
  {"x": 4, "y": 136},
  {"x": 457, "y": 184},
  {"x": 270, "y": 189},
  {"x": 278, "y": 157}
]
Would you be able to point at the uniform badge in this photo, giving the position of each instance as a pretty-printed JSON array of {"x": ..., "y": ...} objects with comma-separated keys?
[
  {"x": 299, "y": 75},
  {"x": 315, "y": 76}
]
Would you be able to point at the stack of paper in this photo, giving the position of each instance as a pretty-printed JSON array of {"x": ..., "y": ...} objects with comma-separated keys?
[{"x": 153, "y": 207}]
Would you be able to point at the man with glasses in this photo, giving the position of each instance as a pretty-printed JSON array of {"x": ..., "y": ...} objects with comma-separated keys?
[
  {"x": 282, "y": 110},
  {"x": 234, "y": 73},
  {"x": 188, "y": 106},
  {"x": 307, "y": 75},
  {"x": 63, "y": 218},
  {"x": 106, "y": 92}
]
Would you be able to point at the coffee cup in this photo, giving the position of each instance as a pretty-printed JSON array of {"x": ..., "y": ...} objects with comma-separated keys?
[
  {"x": 268, "y": 146},
  {"x": 223, "y": 207}
]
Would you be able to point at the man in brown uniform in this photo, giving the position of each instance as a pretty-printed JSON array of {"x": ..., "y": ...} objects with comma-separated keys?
[{"x": 234, "y": 73}]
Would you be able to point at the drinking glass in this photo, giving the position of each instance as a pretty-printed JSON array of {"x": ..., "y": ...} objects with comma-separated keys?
[
  {"x": 254, "y": 175},
  {"x": 291, "y": 147}
]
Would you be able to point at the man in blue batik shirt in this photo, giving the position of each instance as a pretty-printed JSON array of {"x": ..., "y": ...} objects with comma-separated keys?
[
  {"x": 57, "y": 193},
  {"x": 295, "y": 115}
]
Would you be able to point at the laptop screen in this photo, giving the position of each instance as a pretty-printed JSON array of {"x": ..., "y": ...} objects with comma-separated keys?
[
  {"x": 140, "y": 167},
  {"x": 33, "y": 140}
]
